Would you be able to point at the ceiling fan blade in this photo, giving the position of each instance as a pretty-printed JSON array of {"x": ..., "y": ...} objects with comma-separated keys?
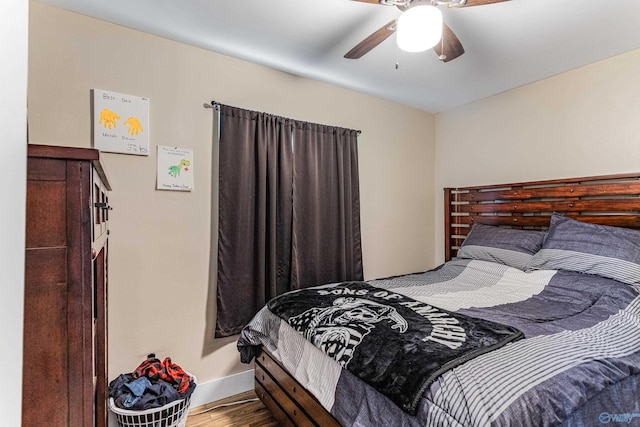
[
  {"x": 452, "y": 46},
  {"x": 369, "y": 1},
  {"x": 372, "y": 41},
  {"x": 470, "y": 3}
]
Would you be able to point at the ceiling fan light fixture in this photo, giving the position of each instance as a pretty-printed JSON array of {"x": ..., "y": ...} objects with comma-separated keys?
[{"x": 419, "y": 28}]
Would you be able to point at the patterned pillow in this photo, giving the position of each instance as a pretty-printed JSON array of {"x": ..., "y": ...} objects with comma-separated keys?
[
  {"x": 508, "y": 246},
  {"x": 606, "y": 251}
]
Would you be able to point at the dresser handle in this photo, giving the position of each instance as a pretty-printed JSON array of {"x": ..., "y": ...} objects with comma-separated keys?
[{"x": 104, "y": 206}]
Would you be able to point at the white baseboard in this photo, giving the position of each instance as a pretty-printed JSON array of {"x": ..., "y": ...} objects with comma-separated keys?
[{"x": 222, "y": 388}]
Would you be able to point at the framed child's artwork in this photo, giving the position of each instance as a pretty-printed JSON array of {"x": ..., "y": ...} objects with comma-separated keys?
[
  {"x": 120, "y": 123},
  {"x": 175, "y": 168}
]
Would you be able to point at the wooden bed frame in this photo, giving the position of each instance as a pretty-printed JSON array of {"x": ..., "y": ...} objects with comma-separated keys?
[{"x": 609, "y": 200}]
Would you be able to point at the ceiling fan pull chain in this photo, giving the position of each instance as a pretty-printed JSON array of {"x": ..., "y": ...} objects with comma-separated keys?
[
  {"x": 442, "y": 56},
  {"x": 397, "y": 61}
]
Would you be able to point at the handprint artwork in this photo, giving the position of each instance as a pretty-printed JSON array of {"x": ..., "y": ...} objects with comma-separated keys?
[
  {"x": 174, "y": 171},
  {"x": 108, "y": 118},
  {"x": 120, "y": 123},
  {"x": 134, "y": 126}
]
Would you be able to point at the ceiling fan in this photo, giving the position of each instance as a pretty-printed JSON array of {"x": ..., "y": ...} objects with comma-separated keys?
[{"x": 447, "y": 46}]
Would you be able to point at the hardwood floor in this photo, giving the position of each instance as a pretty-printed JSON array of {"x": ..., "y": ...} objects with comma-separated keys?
[{"x": 251, "y": 414}]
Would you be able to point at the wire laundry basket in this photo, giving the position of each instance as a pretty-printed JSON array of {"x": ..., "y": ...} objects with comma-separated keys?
[{"x": 172, "y": 414}]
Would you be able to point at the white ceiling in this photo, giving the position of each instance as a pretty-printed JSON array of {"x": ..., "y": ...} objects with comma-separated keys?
[{"x": 507, "y": 44}]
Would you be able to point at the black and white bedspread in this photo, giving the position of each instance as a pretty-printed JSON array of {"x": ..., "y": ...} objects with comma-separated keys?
[{"x": 579, "y": 364}]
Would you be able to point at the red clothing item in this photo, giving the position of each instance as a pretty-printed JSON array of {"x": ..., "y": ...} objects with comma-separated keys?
[{"x": 166, "y": 370}]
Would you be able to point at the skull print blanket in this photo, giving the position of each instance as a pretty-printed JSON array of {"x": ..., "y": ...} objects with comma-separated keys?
[{"x": 394, "y": 343}]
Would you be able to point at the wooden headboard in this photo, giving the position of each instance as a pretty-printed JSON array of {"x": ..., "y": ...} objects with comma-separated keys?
[{"x": 609, "y": 200}]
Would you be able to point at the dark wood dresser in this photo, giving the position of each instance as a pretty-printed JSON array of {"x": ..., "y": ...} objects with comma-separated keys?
[{"x": 65, "y": 314}]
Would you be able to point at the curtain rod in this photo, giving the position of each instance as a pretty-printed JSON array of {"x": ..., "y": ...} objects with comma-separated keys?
[{"x": 216, "y": 106}]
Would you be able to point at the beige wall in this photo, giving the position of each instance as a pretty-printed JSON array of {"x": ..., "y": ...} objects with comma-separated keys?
[
  {"x": 580, "y": 123},
  {"x": 159, "y": 299}
]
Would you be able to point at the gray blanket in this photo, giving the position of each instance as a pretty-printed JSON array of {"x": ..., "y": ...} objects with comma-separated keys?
[{"x": 580, "y": 359}]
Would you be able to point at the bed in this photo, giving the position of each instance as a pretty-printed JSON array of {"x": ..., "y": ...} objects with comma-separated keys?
[{"x": 540, "y": 288}]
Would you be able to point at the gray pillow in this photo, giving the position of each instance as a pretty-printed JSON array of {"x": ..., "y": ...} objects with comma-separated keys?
[
  {"x": 508, "y": 246},
  {"x": 606, "y": 251}
]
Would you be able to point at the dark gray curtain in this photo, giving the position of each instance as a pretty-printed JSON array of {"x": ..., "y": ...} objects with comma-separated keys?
[
  {"x": 289, "y": 213},
  {"x": 254, "y": 219},
  {"x": 326, "y": 206}
]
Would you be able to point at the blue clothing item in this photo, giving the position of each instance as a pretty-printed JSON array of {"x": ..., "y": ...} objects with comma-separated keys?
[
  {"x": 159, "y": 394},
  {"x": 116, "y": 387},
  {"x": 137, "y": 388}
]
